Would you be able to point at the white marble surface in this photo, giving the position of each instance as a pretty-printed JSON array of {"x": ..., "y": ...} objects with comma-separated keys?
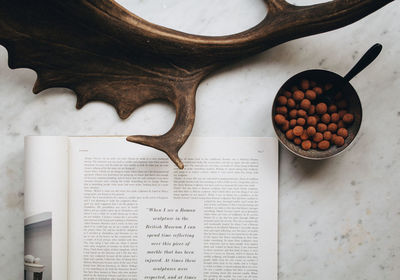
[{"x": 339, "y": 219}]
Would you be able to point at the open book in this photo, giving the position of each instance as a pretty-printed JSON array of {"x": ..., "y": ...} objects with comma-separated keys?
[{"x": 103, "y": 208}]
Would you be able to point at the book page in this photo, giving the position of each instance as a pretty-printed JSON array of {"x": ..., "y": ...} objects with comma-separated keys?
[
  {"x": 135, "y": 215},
  {"x": 46, "y": 195},
  {"x": 171, "y": 234}
]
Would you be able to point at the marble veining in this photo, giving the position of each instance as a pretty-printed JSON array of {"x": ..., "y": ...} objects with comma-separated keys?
[{"x": 339, "y": 218}]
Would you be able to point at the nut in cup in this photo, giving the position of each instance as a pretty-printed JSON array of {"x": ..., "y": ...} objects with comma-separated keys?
[{"x": 314, "y": 142}]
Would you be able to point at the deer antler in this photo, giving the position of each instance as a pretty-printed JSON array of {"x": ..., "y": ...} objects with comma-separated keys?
[{"x": 103, "y": 52}]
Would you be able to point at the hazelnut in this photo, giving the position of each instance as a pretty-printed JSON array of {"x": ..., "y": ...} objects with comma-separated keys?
[
  {"x": 301, "y": 121},
  {"x": 313, "y": 84},
  {"x": 318, "y": 137},
  {"x": 298, "y": 95},
  {"x": 311, "y": 131},
  {"x": 312, "y": 121},
  {"x": 342, "y": 113},
  {"x": 338, "y": 96},
  {"x": 343, "y": 132},
  {"x": 328, "y": 86},
  {"x": 304, "y": 136},
  {"x": 341, "y": 124},
  {"x": 333, "y": 138},
  {"x": 324, "y": 145},
  {"x": 321, "y": 127},
  {"x": 285, "y": 125},
  {"x": 326, "y": 118},
  {"x": 287, "y": 94},
  {"x": 348, "y": 118},
  {"x": 289, "y": 134},
  {"x": 311, "y": 111},
  {"x": 332, "y": 108},
  {"x": 321, "y": 108},
  {"x": 318, "y": 90},
  {"x": 294, "y": 88},
  {"x": 298, "y": 130},
  {"x": 306, "y": 145},
  {"x": 310, "y": 94},
  {"x": 327, "y": 135},
  {"x": 281, "y": 110},
  {"x": 279, "y": 119},
  {"x": 292, "y": 122},
  {"x": 332, "y": 127},
  {"x": 293, "y": 113},
  {"x": 342, "y": 104},
  {"x": 302, "y": 113},
  {"x": 335, "y": 117},
  {"x": 291, "y": 103},
  {"x": 282, "y": 100},
  {"x": 297, "y": 140},
  {"x": 339, "y": 141},
  {"x": 305, "y": 104},
  {"x": 313, "y": 145},
  {"x": 305, "y": 84}
]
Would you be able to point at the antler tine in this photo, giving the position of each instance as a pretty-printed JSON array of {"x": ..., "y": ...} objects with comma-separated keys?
[
  {"x": 285, "y": 22},
  {"x": 276, "y": 5},
  {"x": 171, "y": 142},
  {"x": 300, "y": 21}
]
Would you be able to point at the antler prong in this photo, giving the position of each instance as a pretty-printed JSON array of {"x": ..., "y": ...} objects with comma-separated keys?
[
  {"x": 171, "y": 142},
  {"x": 275, "y": 6}
]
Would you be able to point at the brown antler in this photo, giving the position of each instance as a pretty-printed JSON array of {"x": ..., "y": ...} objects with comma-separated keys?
[{"x": 104, "y": 52}]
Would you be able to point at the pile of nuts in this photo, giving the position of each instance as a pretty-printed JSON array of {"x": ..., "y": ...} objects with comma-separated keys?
[{"x": 309, "y": 122}]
